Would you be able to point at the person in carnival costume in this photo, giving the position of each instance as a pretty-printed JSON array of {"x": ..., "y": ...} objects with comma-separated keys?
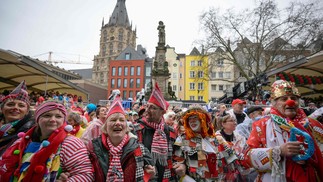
[
  {"x": 283, "y": 146},
  {"x": 157, "y": 136},
  {"x": 117, "y": 155},
  {"x": 75, "y": 120},
  {"x": 207, "y": 158},
  {"x": 94, "y": 129},
  {"x": 15, "y": 116},
  {"x": 46, "y": 152}
]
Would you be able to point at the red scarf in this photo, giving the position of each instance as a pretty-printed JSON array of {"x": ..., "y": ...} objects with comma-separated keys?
[
  {"x": 295, "y": 171},
  {"x": 37, "y": 167},
  {"x": 159, "y": 148},
  {"x": 115, "y": 172}
]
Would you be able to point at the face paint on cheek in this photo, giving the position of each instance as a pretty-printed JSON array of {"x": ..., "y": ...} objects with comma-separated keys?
[{"x": 195, "y": 126}]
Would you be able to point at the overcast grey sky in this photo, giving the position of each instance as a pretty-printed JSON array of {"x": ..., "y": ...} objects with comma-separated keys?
[{"x": 71, "y": 28}]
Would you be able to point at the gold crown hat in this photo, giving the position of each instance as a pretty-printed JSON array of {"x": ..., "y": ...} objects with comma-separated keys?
[{"x": 282, "y": 87}]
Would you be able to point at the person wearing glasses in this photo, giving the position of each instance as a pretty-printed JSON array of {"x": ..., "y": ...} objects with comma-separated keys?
[{"x": 157, "y": 136}]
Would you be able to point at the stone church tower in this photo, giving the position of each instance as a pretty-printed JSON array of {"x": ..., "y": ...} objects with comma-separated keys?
[{"x": 115, "y": 36}]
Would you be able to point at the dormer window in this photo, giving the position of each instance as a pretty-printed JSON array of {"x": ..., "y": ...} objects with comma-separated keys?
[{"x": 127, "y": 56}]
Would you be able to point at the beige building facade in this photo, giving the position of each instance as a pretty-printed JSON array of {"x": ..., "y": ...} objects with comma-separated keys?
[
  {"x": 221, "y": 75},
  {"x": 173, "y": 66}
]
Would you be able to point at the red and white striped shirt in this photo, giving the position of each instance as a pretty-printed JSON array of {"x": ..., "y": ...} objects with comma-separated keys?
[{"x": 75, "y": 160}]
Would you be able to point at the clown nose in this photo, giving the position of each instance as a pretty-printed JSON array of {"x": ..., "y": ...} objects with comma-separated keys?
[{"x": 290, "y": 103}]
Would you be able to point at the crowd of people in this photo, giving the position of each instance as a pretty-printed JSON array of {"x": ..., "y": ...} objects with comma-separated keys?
[{"x": 153, "y": 142}]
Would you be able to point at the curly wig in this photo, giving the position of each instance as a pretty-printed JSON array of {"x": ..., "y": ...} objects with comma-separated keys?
[{"x": 207, "y": 128}]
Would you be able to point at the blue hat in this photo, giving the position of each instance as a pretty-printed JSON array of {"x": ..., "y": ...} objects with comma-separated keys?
[{"x": 90, "y": 108}]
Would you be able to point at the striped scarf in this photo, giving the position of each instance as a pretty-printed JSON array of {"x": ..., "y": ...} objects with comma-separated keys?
[
  {"x": 115, "y": 172},
  {"x": 159, "y": 147}
]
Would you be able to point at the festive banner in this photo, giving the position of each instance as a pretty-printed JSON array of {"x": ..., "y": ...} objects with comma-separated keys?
[{"x": 300, "y": 79}]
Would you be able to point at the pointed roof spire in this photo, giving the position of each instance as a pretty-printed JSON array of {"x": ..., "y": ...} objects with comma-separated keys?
[
  {"x": 102, "y": 21},
  {"x": 119, "y": 15}
]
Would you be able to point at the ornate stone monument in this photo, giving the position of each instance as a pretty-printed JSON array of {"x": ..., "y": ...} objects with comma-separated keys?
[{"x": 160, "y": 72}]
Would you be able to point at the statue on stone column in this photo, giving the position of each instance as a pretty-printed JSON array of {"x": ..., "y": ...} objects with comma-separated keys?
[{"x": 161, "y": 33}]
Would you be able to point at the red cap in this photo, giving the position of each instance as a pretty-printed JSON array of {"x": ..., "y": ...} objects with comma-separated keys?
[
  {"x": 238, "y": 101},
  {"x": 116, "y": 107},
  {"x": 157, "y": 98}
]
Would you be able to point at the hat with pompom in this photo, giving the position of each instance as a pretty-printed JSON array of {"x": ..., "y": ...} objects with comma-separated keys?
[{"x": 19, "y": 93}]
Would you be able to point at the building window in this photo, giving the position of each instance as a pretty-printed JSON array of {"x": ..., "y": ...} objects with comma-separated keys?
[
  {"x": 174, "y": 87},
  {"x": 126, "y": 71},
  {"x": 127, "y": 56},
  {"x": 130, "y": 94},
  {"x": 221, "y": 87},
  {"x": 213, "y": 87},
  {"x": 131, "y": 83},
  {"x": 119, "y": 47},
  {"x": 199, "y": 63},
  {"x": 119, "y": 83},
  {"x": 103, "y": 50},
  {"x": 192, "y": 74},
  {"x": 119, "y": 71},
  {"x": 220, "y": 74},
  {"x": 192, "y": 98},
  {"x": 192, "y": 63},
  {"x": 175, "y": 75},
  {"x": 148, "y": 71},
  {"x": 113, "y": 82},
  {"x": 200, "y": 98},
  {"x": 227, "y": 75},
  {"x": 132, "y": 70},
  {"x": 192, "y": 86},
  {"x": 180, "y": 88},
  {"x": 113, "y": 73},
  {"x": 147, "y": 80},
  {"x": 138, "y": 83},
  {"x": 110, "y": 48},
  {"x": 200, "y": 86},
  {"x": 121, "y": 35},
  {"x": 200, "y": 74},
  {"x": 180, "y": 75},
  {"x": 138, "y": 70},
  {"x": 124, "y": 94},
  {"x": 213, "y": 74},
  {"x": 180, "y": 64},
  {"x": 220, "y": 62},
  {"x": 125, "y": 83}
]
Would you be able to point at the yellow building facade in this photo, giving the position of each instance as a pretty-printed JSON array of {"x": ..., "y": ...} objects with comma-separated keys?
[{"x": 196, "y": 81}]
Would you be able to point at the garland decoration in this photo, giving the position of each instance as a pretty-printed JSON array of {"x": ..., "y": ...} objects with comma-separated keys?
[{"x": 300, "y": 79}]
